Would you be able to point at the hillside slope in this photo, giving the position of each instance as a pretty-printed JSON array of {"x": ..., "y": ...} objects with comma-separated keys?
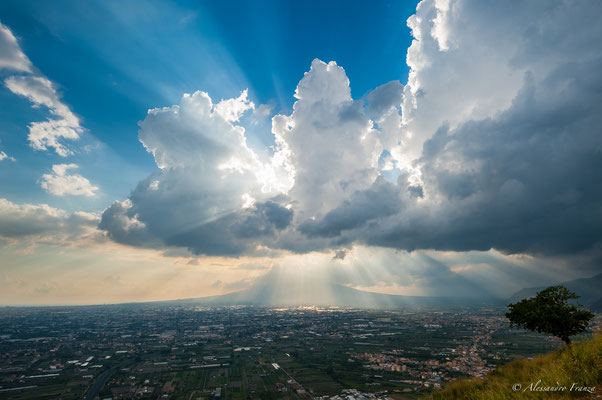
[{"x": 580, "y": 363}]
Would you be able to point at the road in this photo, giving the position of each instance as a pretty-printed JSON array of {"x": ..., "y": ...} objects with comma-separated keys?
[{"x": 104, "y": 378}]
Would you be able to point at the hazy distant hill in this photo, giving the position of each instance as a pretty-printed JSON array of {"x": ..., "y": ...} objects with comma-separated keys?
[
  {"x": 588, "y": 288},
  {"x": 287, "y": 294}
]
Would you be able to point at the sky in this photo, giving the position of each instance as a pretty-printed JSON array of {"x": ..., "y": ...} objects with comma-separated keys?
[{"x": 162, "y": 150}]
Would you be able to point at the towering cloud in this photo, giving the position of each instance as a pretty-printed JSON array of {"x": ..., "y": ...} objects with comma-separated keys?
[
  {"x": 499, "y": 145},
  {"x": 469, "y": 58},
  {"x": 493, "y": 143},
  {"x": 503, "y": 108},
  {"x": 333, "y": 146}
]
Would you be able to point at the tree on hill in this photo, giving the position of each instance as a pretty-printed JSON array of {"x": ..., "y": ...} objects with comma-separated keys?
[{"x": 550, "y": 312}]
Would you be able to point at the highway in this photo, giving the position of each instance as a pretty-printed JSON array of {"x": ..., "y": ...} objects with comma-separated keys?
[{"x": 104, "y": 378}]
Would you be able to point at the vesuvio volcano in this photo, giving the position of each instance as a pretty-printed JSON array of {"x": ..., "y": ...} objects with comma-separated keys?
[{"x": 271, "y": 292}]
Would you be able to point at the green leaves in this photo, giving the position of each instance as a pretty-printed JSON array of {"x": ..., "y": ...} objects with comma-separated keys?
[{"x": 550, "y": 312}]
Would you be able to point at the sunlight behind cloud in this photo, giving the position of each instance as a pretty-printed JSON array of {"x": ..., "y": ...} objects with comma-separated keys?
[{"x": 477, "y": 171}]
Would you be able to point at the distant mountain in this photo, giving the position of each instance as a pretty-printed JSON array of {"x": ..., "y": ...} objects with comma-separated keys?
[
  {"x": 589, "y": 290},
  {"x": 291, "y": 294}
]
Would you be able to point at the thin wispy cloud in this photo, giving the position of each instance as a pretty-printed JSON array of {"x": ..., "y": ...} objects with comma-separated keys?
[
  {"x": 11, "y": 55},
  {"x": 40, "y": 91},
  {"x": 4, "y": 156}
]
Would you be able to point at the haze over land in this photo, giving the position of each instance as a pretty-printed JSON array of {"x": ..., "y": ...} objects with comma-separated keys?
[{"x": 170, "y": 151}]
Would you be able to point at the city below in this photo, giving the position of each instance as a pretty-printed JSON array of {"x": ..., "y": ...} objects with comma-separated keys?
[{"x": 188, "y": 351}]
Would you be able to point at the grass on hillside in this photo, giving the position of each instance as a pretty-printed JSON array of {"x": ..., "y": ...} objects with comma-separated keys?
[{"x": 579, "y": 363}]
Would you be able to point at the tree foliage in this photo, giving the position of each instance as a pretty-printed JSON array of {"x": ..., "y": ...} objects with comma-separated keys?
[{"x": 550, "y": 312}]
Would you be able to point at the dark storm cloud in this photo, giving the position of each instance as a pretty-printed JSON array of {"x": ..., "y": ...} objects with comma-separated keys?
[
  {"x": 230, "y": 235},
  {"x": 381, "y": 200},
  {"x": 526, "y": 180},
  {"x": 263, "y": 219},
  {"x": 339, "y": 255}
]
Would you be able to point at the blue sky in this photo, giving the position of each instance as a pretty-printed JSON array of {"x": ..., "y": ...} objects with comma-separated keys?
[
  {"x": 444, "y": 147},
  {"x": 112, "y": 61}
]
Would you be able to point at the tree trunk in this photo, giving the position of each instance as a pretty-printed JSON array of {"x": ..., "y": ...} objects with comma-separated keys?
[{"x": 566, "y": 340}]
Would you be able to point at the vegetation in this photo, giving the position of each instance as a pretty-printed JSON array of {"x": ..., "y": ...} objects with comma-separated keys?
[
  {"x": 572, "y": 371},
  {"x": 550, "y": 312}
]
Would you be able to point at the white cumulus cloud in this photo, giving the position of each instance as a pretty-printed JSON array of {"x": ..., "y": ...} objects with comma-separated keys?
[
  {"x": 61, "y": 182},
  {"x": 208, "y": 172},
  {"x": 332, "y": 146}
]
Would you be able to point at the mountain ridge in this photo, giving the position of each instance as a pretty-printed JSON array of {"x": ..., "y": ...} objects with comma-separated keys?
[
  {"x": 588, "y": 289},
  {"x": 330, "y": 295}
]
